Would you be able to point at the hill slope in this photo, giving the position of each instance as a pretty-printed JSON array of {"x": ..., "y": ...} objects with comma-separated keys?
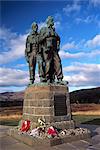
[
  {"x": 11, "y": 99},
  {"x": 79, "y": 96},
  {"x": 86, "y": 96}
]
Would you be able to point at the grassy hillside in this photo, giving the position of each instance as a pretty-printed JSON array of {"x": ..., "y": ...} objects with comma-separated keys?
[
  {"x": 11, "y": 99},
  {"x": 80, "y": 96},
  {"x": 86, "y": 96}
]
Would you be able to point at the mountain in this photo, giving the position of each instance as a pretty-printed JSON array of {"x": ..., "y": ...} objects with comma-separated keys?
[
  {"x": 12, "y": 96},
  {"x": 79, "y": 96},
  {"x": 11, "y": 99},
  {"x": 86, "y": 96}
]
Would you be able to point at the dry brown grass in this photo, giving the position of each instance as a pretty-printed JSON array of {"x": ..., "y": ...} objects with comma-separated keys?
[
  {"x": 10, "y": 113},
  {"x": 85, "y": 107},
  {"x": 93, "y": 113},
  {"x": 10, "y": 117},
  {"x": 15, "y": 113}
]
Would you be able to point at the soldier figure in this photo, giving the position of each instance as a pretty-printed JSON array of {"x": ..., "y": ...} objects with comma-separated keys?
[
  {"x": 50, "y": 43},
  {"x": 43, "y": 47},
  {"x": 31, "y": 51}
]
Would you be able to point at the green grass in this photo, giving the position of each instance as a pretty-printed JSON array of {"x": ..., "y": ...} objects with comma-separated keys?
[
  {"x": 83, "y": 119},
  {"x": 87, "y": 119},
  {"x": 9, "y": 122}
]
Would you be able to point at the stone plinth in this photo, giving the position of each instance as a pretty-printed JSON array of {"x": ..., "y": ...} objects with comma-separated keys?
[
  {"x": 50, "y": 103},
  {"x": 39, "y": 143}
]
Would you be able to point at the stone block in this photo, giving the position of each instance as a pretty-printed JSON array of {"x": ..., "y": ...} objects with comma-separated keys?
[
  {"x": 44, "y": 111},
  {"x": 49, "y": 103},
  {"x": 39, "y": 103},
  {"x": 44, "y": 95}
]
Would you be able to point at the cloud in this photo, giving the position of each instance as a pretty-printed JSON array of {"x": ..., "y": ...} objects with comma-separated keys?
[
  {"x": 57, "y": 17},
  {"x": 78, "y": 75},
  {"x": 73, "y": 7},
  {"x": 14, "y": 45},
  {"x": 57, "y": 24},
  {"x": 21, "y": 65},
  {"x": 57, "y": 20},
  {"x": 81, "y": 46},
  {"x": 6, "y": 34},
  {"x": 95, "y": 42},
  {"x": 68, "y": 46},
  {"x": 89, "y": 19},
  {"x": 95, "y": 2},
  {"x": 15, "y": 77},
  {"x": 83, "y": 74},
  {"x": 79, "y": 67},
  {"x": 11, "y": 89},
  {"x": 93, "y": 53},
  {"x": 64, "y": 54}
]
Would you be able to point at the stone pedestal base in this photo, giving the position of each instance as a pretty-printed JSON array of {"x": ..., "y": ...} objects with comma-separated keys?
[
  {"x": 50, "y": 103},
  {"x": 39, "y": 143}
]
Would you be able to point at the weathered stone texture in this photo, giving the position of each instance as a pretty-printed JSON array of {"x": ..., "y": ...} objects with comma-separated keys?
[{"x": 40, "y": 102}]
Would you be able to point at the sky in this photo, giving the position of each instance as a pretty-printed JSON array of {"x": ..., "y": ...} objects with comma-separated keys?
[{"x": 78, "y": 24}]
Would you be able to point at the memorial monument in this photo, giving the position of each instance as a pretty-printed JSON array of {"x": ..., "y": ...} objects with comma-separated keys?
[
  {"x": 46, "y": 108},
  {"x": 49, "y": 99}
]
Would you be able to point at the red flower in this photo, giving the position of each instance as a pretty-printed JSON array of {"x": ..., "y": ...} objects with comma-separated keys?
[
  {"x": 52, "y": 131},
  {"x": 25, "y": 126}
]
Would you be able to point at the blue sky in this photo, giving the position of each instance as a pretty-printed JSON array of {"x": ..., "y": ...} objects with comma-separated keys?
[{"x": 77, "y": 23}]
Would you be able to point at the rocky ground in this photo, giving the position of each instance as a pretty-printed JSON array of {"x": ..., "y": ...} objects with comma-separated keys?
[{"x": 9, "y": 143}]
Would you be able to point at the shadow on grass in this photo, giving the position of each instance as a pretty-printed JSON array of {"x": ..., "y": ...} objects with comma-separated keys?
[
  {"x": 87, "y": 119},
  {"x": 93, "y": 122},
  {"x": 10, "y": 122}
]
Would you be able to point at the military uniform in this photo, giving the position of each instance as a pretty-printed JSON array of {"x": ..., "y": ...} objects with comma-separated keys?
[
  {"x": 50, "y": 44},
  {"x": 41, "y": 64},
  {"x": 31, "y": 53}
]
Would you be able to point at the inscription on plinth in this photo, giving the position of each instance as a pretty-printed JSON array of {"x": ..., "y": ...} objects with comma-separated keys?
[{"x": 60, "y": 107}]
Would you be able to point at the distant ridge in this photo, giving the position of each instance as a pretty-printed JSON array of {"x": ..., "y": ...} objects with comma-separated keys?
[
  {"x": 80, "y": 96},
  {"x": 86, "y": 96},
  {"x": 11, "y": 99}
]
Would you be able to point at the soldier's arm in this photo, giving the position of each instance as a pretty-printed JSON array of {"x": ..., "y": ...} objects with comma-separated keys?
[
  {"x": 58, "y": 43},
  {"x": 27, "y": 49},
  {"x": 42, "y": 34},
  {"x": 28, "y": 44}
]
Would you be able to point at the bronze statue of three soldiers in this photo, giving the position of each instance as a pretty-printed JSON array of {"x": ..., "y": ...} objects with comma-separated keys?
[{"x": 43, "y": 47}]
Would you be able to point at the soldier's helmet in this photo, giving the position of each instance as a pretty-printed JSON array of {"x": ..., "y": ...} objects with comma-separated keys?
[
  {"x": 50, "y": 21},
  {"x": 34, "y": 26}
]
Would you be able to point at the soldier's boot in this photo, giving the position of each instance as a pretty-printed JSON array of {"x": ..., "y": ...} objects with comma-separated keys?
[
  {"x": 42, "y": 79},
  {"x": 31, "y": 76},
  {"x": 53, "y": 78},
  {"x": 31, "y": 82},
  {"x": 48, "y": 81},
  {"x": 61, "y": 82}
]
